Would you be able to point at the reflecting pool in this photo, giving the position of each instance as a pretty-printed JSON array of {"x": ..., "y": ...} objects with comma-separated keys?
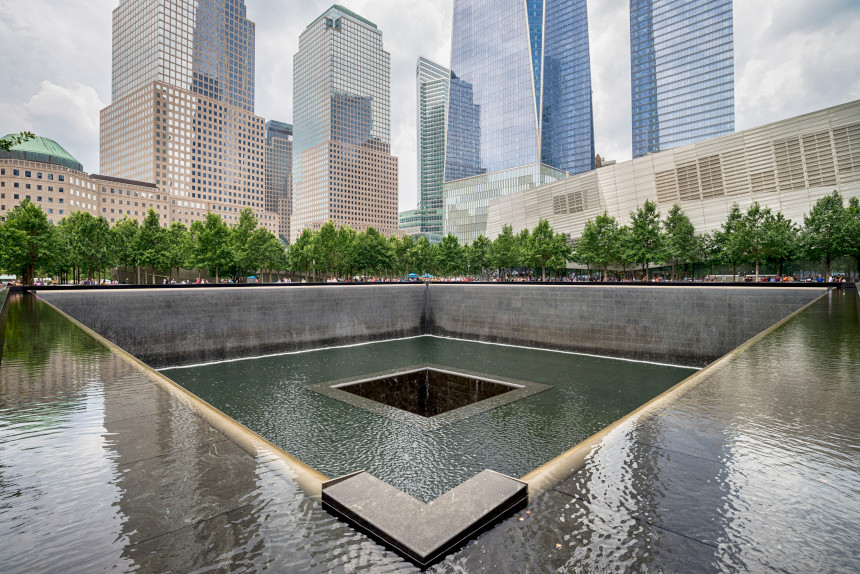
[{"x": 270, "y": 395}]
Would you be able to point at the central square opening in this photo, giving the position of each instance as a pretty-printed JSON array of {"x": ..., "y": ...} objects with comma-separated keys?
[{"x": 427, "y": 392}]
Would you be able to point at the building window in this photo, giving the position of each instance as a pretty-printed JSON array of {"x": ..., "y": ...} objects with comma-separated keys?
[
  {"x": 27, "y": 174},
  {"x": 16, "y": 172}
]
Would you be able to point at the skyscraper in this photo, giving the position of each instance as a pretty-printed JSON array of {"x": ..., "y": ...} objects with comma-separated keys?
[
  {"x": 520, "y": 112},
  {"x": 681, "y": 72},
  {"x": 432, "y": 82},
  {"x": 343, "y": 169},
  {"x": 278, "y": 195},
  {"x": 182, "y": 112}
]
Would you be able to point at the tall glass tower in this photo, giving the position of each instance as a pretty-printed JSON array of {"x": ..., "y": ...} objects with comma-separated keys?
[
  {"x": 432, "y": 86},
  {"x": 343, "y": 170},
  {"x": 279, "y": 173},
  {"x": 520, "y": 103},
  {"x": 682, "y": 72},
  {"x": 182, "y": 110}
]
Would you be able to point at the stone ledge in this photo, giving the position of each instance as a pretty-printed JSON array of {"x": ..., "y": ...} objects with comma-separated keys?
[{"x": 423, "y": 533}]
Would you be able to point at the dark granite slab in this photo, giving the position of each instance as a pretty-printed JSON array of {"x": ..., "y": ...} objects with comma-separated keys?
[{"x": 421, "y": 532}]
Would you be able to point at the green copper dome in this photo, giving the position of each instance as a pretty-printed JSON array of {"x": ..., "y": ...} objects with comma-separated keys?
[{"x": 43, "y": 150}]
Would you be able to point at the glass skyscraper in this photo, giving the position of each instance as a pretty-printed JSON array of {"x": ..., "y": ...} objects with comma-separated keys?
[
  {"x": 520, "y": 102},
  {"x": 182, "y": 110},
  {"x": 432, "y": 81},
  {"x": 682, "y": 72},
  {"x": 279, "y": 173},
  {"x": 343, "y": 170}
]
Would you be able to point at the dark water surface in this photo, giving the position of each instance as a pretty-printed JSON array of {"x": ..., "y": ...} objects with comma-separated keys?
[
  {"x": 754, "y": 469},
  {"x": 269, "y": 396}
]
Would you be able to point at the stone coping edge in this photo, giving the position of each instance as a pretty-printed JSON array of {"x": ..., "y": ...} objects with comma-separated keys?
[
  {"x": 360, "y": 518},
  {"x": 308, "y": 478},
  {"x": 571, "y": 461}
]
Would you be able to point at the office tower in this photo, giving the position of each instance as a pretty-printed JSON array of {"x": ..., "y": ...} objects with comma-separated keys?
[
  {"x": 519, "y": 112},
  {"x": 279, "y": 174},
  {"x": 432, "y": 82},
  {"x": 681, "y": 72},
  {"x": 343, "y": 170},
  {"x": 182, "y": 107}
]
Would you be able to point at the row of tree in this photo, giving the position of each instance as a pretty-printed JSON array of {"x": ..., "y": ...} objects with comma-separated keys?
[
  {"x": 755, "y": 236},
  {"x": 85, "y": 245}
]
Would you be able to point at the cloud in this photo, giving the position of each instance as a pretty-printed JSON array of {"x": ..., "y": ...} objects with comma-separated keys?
[
  {"x": 790, "y": 58},
  {"x": 69, "y": 115}
]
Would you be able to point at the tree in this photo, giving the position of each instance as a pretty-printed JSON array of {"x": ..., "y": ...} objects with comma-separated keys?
[
  {"x": 177, "y": 250},
  {"x": 343, "y": 254},
  {"x": 151, "y": 243},
  {"x": 751, "y": 234},
  {"x": 680, "y": 234},
  {"x": 478, "y": 253},
  {"x": 524, "y": 256},
  {"x": 548, "y": 247},
  {"x": 599, "y": 244},
  {"x": 372, "y": 252},
  {"x": 211, "y": 248},
  {"x": 852, "y": 229},
  {"x": 26, "y": 237},
  {"x": 423, "y": 256},
  {"x": 780, "y": 240},
  {"x": 325, "y": 247},
  {"x": 449, "y": 255},
  {"x": 124, "y": 239},
  {"x": 402, "y": 252},
  {"x": 824, "y": 233},
  {"x": 646, "y": 239},
  {"x": 503, "y": 252},
  {"x": 244, "y": 259},
  {"x": 12, "y": 140},
  {"x": 89, "y": 241},
  {"x": 301, "y": 253},
  {"x": 727, "y": 240}
]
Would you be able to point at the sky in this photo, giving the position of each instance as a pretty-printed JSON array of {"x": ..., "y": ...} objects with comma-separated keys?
[{"x": 791, "y": 57}]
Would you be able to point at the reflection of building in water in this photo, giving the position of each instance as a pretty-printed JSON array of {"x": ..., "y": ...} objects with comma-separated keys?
[
  {"x": 521, "y": 84},
  {"x": 343, "y": 170}
]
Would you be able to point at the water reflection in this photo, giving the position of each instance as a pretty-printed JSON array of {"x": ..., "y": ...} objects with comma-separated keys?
[{"x": 755, "y": 469}]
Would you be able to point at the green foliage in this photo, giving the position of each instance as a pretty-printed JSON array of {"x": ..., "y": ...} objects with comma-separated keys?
[
  {"x": 11, "y": 141},
  {"x": 477, "y": 255},
  {"x": 681, "y": 243},
  {"x": 728, "y": 242},
  {"x": 450, "y": 256},
  {"x": 373, "y": 253},
  {"x": 547, "y": 248},
  {"x": 852, "y": 231},
  {"x": 646, "y": 242},
  {"x": 27, "y": 238},
  {"x": 824, "y": 234},
  {"x": 210, "y": 247},
  {"x": 177, "y": 251},
  {"x": 503, "y": 254},
  {"x": 600, "y": 244},
  {"x": 301, "y": 253}
]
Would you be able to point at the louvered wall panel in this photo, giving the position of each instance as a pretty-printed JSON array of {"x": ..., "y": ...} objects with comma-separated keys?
[
  {"x": 688, "y": 182},
  {"x": 818, "y": 156},
  {"x": 847, "y": 143},
  {"x": 760, "y": 162},
  {"x": 734, "y": 168},
  {"x": 711, "y": 177},
  {"x": 667, "y": 187},
  {"x": 789, "y": 164}
]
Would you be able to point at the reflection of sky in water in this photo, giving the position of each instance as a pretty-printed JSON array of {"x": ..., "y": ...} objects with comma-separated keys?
[{"x": 756, "y": 468}]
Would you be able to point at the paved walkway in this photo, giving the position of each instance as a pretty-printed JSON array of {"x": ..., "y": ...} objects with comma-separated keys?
[{"x": 755, "y": 468}]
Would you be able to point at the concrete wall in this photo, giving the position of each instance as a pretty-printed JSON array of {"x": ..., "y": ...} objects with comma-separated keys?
[
  {"x": 681, "y": 325},
  {"x": 167, "y": 327}
]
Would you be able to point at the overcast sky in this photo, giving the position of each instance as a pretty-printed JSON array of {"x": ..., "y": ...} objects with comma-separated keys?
[{"x": 791, "y": 57}]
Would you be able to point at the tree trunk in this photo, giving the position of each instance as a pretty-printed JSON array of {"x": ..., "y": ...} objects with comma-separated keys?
[
  {"x": 734, "y": 271},
  {"x": 543, "y": 272},
  {"x": 756, "y": 269},
  {"x": 826, "y": 267},
  {"x": 138, "y": 274},
  {"x": 216, "y": 274}
]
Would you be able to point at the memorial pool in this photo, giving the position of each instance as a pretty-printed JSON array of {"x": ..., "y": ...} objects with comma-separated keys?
[{"x": 273, "y": 396}]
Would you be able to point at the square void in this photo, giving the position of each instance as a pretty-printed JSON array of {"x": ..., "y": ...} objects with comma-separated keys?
[{"x": 428, "y": 396}]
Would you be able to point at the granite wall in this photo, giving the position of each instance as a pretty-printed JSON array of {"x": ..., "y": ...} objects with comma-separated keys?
[
  {"x": 681, "y": 325},
  {"x": 168, "y": 327}
]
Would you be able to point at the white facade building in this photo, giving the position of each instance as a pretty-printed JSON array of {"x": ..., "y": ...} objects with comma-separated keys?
[{"x": 787, "y": 166}]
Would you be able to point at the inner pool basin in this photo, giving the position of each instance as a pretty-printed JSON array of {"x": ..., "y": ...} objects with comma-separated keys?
[{"x": 279, "y": 398}]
